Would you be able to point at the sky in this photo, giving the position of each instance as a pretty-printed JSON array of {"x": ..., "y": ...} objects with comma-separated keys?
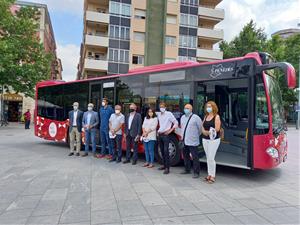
[{"x": 67, "y": 22}]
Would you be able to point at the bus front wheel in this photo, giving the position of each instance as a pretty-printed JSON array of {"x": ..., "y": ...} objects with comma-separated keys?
[{"x": 174, "y": 151}]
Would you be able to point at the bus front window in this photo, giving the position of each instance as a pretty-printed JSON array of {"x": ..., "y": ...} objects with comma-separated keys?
[
  {"x": 276, "y": 103},
  {"x": 261, "y": 108}
]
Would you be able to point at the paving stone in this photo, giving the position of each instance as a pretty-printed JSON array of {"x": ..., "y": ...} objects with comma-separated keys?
[
  {"x": 73, "y": 213},
  {"x": 208, "y": 207},
  {"x": 25, "y": 202},
  {"x": 160, "y": 211},
  {"x": 196, "y": 219},
  {"x": 55, "y": 194},
  {"x": 19, "y": 216},
  {"x": 223, "y": 218},
  {"x": 167, "y": 221},
  {"x": 181, "y": 206},
  {"x": 49, "y": 207},
  {"x": 252, "y": 219},
  {"x": 35, "y": 220},
  {"x": 151, "y": 199},
  {"x": 105, "y": 217},
  {"x": 131, "y": 208}
]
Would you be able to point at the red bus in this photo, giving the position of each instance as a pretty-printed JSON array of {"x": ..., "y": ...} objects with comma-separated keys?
[{"x": 246, "y": 92}]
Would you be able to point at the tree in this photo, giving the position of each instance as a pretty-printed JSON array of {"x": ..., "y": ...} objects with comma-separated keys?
[
  {"x": 250, "y": 39},
  {"x": 253, "y": 39},
  {"x": 23, "y": 60}
]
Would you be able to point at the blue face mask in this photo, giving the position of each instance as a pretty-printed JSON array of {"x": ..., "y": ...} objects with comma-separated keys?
[
  {"x": 209, "y": 109},
  {"x": 187, "y": 111}
]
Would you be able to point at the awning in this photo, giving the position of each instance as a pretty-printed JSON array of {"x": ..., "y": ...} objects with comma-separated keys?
[{"x": 13, "y": 97}]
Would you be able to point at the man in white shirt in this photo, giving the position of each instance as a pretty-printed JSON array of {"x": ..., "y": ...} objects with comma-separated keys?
[{"x": 167, "y": 124}]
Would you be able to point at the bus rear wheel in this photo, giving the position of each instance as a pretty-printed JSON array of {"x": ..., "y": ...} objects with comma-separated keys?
[{"x": 174, "y": 152}]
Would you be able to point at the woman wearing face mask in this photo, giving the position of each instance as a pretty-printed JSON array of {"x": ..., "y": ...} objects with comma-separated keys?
[
  {"x": 149, "y": 137},
  {"x": 211, "y": 138}
]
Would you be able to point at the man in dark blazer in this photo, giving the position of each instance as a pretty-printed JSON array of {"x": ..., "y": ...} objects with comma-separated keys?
[
  {"x": 75, "y": 126},
  {"x": 133, "y": 129}
]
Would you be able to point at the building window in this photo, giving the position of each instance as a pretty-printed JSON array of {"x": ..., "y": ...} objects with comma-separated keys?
[
  {"x": 186, "y": 58},
  {"x": 140, "y": 14},
  {"x": 119, "y": 32},
  {"x": 190, "y": 2},
  {"x": 187, "y": 41},
  {"x": 188, "y": 20},
  {"x": 172, "y": 0},
  {"x": 119, "y": 8},
  {"x": 100, "y": 56},
  {"x": 171, "y": 19},
  {"x": 118, "y": 55},
  {"x": 171, "y": 40},
  {"x": 138, "y": 59},
  {"x": 169, "y": 60},
  {"x": 139, "y": 36}
]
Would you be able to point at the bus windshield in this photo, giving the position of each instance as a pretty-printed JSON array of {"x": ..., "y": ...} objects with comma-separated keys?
[{"x": 276, "y": 102}]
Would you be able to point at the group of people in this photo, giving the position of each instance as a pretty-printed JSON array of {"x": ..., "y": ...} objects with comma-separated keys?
[{"x": 156, "y": 127}]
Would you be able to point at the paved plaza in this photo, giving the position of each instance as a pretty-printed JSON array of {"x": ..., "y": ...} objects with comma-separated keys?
[{"x": 40, "y": 184}]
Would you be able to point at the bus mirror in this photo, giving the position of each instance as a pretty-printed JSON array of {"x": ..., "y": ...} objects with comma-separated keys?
[{"x": 288, "y": 69}]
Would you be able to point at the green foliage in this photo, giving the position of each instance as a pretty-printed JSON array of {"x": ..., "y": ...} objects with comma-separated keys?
[
  {"x": 23, "y": 60},
  {"x": 253, "y": 39}
]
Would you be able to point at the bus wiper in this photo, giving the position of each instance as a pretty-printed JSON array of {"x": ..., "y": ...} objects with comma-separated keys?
[{"x": 278, "y": 130}]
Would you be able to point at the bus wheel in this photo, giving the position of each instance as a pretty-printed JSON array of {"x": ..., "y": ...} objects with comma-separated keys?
[{"x": 174, "y": 152}]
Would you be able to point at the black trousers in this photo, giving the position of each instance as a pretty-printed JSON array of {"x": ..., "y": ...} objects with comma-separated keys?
[
  {"x": 130, "y": 142},
  {"x": 164, "y": 141},
  {"x": 27, "y": 124},
  {"x": 187, "y": 159}
]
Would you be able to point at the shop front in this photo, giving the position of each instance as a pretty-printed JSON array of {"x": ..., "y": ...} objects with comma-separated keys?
[{"x": 12, "y": 107}]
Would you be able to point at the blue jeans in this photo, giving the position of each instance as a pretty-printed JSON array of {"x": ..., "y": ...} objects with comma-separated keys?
[
  {"x": 116, "y": 144},
  {"x": 90, "y": 134},
  {"x": 149, "y": 151},
  {"x": 105, "y": 143}
]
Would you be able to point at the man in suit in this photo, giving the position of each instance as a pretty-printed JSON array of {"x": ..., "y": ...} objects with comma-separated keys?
[
  {"x": 75, "y": 126},
  {"x": 90, "y": 123},
  {"x": 133, "y": 129}
]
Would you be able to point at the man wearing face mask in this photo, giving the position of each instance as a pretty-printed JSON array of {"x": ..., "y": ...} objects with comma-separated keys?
[
  {"x": 75, "y": 126},
  {"x": 133, "y": 130},
  {"x": 191, "y": 125},
  {"x": 116, "y": 122},
  {"x": 90, "y": 123},
  {"x": 105, "y": 112},
  {"x": 167, "y": 124}
]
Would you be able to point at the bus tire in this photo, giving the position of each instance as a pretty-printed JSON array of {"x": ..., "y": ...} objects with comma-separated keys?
[{"x": 174, "y": 151}]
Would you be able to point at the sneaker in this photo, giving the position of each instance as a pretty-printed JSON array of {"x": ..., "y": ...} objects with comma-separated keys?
[
  {"x": 146, "y": 165},
  {"x": 150, "y": 166},
  {"x": 196, "y": 176},
  {"x": 101, "y": 156},
  {"x": 134, "y": 162},
  {"x": 112, "y": 160},
  {"x": 85, "y": 154},
  {"x": 118, "y": 161},
  {"x": 71, "y": 153},
  {"x": 108, "y": 157},
  {"x": 161, "y": 168},
  {"x": 77, "y": 154}
]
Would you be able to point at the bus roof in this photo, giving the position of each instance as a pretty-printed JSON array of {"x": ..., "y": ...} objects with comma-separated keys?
[{"x": 150, "y": 69}]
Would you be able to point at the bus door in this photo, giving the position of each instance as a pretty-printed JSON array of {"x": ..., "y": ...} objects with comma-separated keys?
[{"x": 100, "y": 90}]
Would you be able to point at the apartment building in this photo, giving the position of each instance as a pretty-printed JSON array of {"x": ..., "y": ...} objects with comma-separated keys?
[{"x": 120, "y": 35}]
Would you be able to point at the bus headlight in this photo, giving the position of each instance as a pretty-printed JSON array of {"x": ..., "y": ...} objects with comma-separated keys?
[{"x": 273, "y": 152}]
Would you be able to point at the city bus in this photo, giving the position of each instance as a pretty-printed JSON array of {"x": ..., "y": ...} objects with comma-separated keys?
[{"x": 244, "y": 88}]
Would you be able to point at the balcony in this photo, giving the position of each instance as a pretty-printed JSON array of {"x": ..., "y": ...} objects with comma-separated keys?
[
  {"x": 208, "y": 54},
  {"x": 96, "y": 64},
  {"x": 96, "y": 40},
  {"x": 211, "y": 13},
  {"x": 207, "y": 33},
  {"x": 97, "y": 17}
]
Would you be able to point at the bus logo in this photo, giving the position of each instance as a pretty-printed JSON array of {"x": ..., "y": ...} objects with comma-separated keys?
[
  {"x": 217, "y": 70},
  {"x": 52, "y": 129}
]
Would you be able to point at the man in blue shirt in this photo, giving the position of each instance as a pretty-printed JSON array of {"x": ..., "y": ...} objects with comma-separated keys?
[{"x": 105, "y": 112}]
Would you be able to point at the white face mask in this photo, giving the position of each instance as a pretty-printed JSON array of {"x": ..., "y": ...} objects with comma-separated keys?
[
  {"x": 103, "y": 104},
  {"x": 117, "y": 111},
  {"x": 90, "y": 108},
  {"x": 162, "y": 110},
  {"x": 75, "y": 108}
]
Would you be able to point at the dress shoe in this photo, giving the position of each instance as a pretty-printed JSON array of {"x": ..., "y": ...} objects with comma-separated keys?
[
  {"x": 161, "y": 168},
  {"x": 167, "y": 171},
  {"x": 185, "y": 172},
  {"x": 118, "y": 161},
  {"x": 71, "y": 153},
  {"x": 196, "y": 175},
  {"x": 112, "y": 160},
  {"x": 84, "y": 154},
  {"x": 95, "y": 155},
  {"x": 126, "y": 161},
  {"x": 77, "y": 154},
  {"x": 133, "y": 162}
]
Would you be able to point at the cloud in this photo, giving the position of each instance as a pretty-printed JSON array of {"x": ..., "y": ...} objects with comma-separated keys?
[
  {"x": 73, "y": 7},
  {"x": 270, "y": 15},
  {"x": 69, "y": 55}
]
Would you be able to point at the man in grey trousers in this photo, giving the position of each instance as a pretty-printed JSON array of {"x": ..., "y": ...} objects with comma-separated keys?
[{"x": 75, "y": 126}]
